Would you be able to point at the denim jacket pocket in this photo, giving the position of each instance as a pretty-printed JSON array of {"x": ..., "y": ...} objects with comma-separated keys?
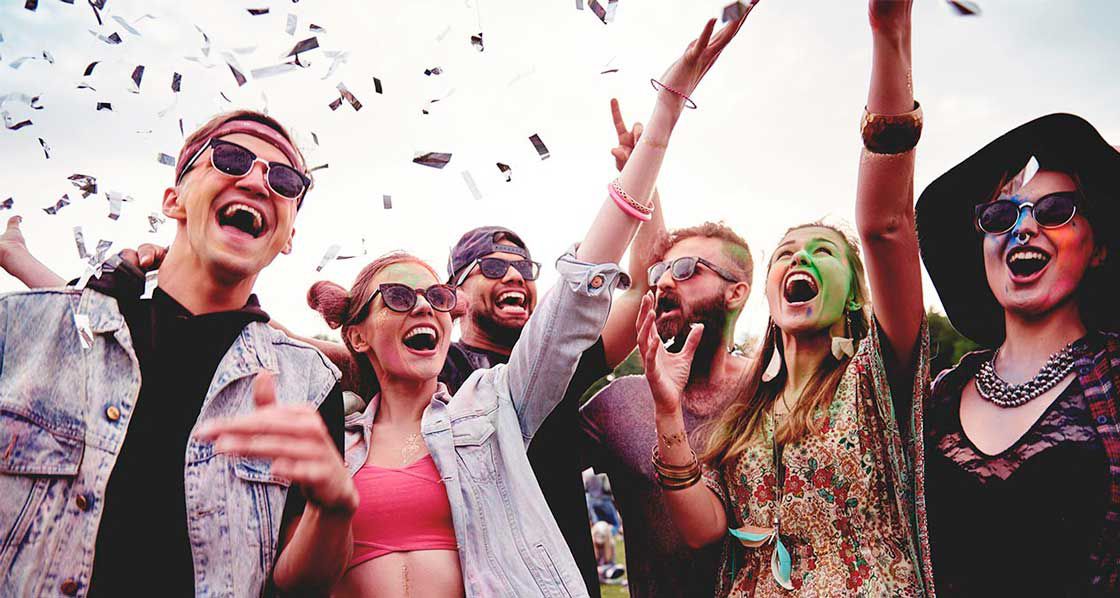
[
  {"x": 474, "y": 446},
  {"x": 36, "y": 461},
  {"x": 258, "y": 502}
]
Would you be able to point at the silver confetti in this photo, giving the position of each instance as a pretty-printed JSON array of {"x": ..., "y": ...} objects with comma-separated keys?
[
  {"x": 387, "y": 200},
  {"x": 155, "y": 219},
  {"x": 332, "y": 252},
  {"x": 7, "y": 204},
  {"x": 166, "y": 160},
  {"x": 85, "y": 333},
  {"x": 290, "y": 29},
  {"x": 539, "y": 145},
  {"x": 151, "y": 281},
  {"x": 469, "y": 180}
]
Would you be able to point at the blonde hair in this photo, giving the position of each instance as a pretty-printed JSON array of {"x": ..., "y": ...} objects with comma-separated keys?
[{"x": 728, "y": 435}]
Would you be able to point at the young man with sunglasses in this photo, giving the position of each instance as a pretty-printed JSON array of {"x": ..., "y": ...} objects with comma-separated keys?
[
  {"x": 172, "y": 444},
  {"x": 702, "y": 277}
]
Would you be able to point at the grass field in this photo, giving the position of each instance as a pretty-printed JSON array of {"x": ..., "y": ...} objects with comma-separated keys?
[{"x": 617, "y": 591}]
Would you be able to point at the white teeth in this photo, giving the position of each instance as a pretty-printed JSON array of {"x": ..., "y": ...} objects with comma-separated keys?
[
  {"x": 796, "y": 276},
  {"x": 420, "y": 330},
  {"x": 258, "y": 220},
  {"x": 517, "y": 294},
  {"x": 1028, "y": 255}
]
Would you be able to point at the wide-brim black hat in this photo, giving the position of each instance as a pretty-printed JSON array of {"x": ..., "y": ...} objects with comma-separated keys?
[{"x": 951, "y": 246}]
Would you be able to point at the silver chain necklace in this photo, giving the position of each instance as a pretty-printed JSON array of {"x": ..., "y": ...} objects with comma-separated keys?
[{"x": 997, "y": 390}]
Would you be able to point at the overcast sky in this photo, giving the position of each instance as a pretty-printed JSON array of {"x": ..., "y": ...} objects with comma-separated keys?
[{"x": 774, "y": 142}]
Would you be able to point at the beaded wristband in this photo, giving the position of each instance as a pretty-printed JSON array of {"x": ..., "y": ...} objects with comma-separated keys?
[
  {"x": 688, "y": 103},
  {"x": 628, "y": 205},
  {"x": 891, "y": 133},
  {"x": 640, "y": 207}
]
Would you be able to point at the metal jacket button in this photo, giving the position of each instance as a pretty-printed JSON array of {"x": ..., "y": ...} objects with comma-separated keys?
[
  {"x": 69, "y": 587},
  {"x": 597, "y": 281},
  {"x": 82, "y": 502},
  {"x": 113, "y": 413},
  {"x": 1102, "y": 420}
]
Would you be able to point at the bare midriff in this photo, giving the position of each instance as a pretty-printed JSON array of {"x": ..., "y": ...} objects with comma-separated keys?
[{"x": 405, "y": 575}]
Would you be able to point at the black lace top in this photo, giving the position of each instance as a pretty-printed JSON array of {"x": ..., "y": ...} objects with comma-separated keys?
[{"x": 1025, "y": 521}]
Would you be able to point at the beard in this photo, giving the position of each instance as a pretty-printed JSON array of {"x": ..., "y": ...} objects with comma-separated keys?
[
  {"x": 505, "y": 335},
  {"x": 713, "y": 314}
]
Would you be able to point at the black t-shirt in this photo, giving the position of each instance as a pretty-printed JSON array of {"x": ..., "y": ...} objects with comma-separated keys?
[
  {"x": 556, "y": 465},
  {"x": 142, "y": 539}
]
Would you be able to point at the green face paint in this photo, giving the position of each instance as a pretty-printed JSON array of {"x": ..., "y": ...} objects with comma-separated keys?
[{"x": 799, "y": 304}]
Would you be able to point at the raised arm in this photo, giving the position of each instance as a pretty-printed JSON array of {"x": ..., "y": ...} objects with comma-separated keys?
[
  {"x": 619, "y": 334},
  {"x": 885, "y": 191},
  {"x": 16, "y": 260},
  {"x": 573, "y": 313},
  {"x": 697, "y": 511}
]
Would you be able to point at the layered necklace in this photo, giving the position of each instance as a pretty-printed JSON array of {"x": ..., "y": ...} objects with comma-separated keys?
[{"x": 998, "y": 391}]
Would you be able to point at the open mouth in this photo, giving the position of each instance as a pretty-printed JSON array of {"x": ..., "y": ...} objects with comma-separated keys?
[
  {"x": 1026, "y": 261},
  {"x": 242, "y": 217},
  {"x": 421, "y": 338},
  {"x": 800, "y": 288},
  {"x": 512, "y": 300},
  {"x": 666, "y": 304}
]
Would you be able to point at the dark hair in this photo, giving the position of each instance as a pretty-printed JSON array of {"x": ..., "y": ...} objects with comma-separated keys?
[{"x": 339, "y": 307}]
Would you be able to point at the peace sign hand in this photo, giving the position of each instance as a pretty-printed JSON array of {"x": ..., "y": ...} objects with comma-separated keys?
[
  {"x": 666, "y": 373},
  {"x": 627, "y": 139}
]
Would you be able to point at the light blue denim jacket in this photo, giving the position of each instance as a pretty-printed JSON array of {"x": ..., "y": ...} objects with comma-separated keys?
[
  {"x": 64, "y": 412},
  {"x": 509, "y": 543}
]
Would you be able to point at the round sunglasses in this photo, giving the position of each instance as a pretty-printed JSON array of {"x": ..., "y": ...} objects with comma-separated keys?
[
  {"x": 234, "y": 160},
  {"x": 496, "y": 267},
  {"x": 401, "y": 298},
  {"x": 684, "y": 268},
  {"x": 1051, "y": 211}
]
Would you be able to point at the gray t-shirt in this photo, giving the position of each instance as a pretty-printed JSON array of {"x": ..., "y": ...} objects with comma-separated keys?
[{"x": 618, "y": 436}]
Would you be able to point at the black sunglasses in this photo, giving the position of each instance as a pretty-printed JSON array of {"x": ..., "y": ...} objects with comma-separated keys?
[
  {"x": 1051, "y": 211},
  {"x": 233, "y": 160},
  {"x": 401, "y": 298},
  {"x": 684, "y": 268},
  {"x": 496, "y": 267}
]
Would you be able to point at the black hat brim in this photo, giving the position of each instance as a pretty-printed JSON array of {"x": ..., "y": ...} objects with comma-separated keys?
[{"x": 951, "y": 247}]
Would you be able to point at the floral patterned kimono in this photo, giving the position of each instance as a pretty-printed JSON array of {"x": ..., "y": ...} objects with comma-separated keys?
[{"x": 852, "y": 510}]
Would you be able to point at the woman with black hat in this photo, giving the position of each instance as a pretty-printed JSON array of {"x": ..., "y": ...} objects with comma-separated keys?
[{"x": 1022, "y": 438}]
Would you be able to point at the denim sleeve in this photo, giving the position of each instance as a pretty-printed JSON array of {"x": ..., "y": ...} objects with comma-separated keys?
[{"x": 565, "y": 324}]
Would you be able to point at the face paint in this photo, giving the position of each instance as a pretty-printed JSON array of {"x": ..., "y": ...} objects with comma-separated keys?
[{"x": 809, "y": 284}]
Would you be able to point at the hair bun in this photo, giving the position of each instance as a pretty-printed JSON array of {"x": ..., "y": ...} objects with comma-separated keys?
[{"x": 330, "y": 300}]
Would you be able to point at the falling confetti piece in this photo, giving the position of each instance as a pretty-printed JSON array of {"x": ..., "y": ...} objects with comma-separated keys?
[
  {"x": 598, "y": 10},
  {"x": 433, "y": 159},
  {"x": 7, "y": 204},
  {"x": 337, "y": 58},
  {"x": 539, "y": 145},
  {"x": 236, "y": 75},
  {"x": 155, "y": 219},
  {"x": 387, "y": 201},
  {"x": 319, "y": 167},
  {"x": 151, "y": 281},
  {"x": 46, "y": 148},
  {"x": 579, "y": 4},
  {"x": 290, "y": 28},
  {"x": 332, "y": 252},
  {"x": 335, "y": 104},
  {"x": 506, "y": 170},
  {"x": 81, "y": 323},
  {"x": 85, "y": 183},
  {"x": 104, "y": 106},
  {"x": 471, "y": 185},
  {"x": 965, "y": 8},
  {"x": 112, "y": 40},
  {"x": 12, "y": 125},
  {"x": 306, "y": 45},
  {"x": 316, "y": 29},
  {"x": 433, "y": 71},
  {"x": 58, "y": 205},
  {"x": 31, "y": 5},
  {"x": 166, "y": 160},
  {"x": 89, "y": 68},
  {"x": 137, "y": 77},
  {"x": 609, "y": 71},
  {"x": 377, "y": 85},
  {"x": 176, "y": 82},
  {"x": 256, "y": 12},
  {"x": 276, "y": 69},
  {"x": 476, "y": 41},
  {"x": 349, "y": 97},
  {"x": 733, "y": 11}
]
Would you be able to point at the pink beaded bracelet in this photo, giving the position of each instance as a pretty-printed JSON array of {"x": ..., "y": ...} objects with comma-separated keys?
[
  {"x": 688, "y": 103},
  {"x": 628, "y": 206}
]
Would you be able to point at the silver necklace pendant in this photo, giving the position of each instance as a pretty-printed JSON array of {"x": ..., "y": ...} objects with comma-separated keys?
[{"x": 995, "y": 389}]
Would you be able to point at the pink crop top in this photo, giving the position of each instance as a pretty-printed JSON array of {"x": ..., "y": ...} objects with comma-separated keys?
[{"x": 401, "y": 510}]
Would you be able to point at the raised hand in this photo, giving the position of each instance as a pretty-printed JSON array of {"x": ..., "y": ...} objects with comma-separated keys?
[
  {"x": 12, "y": 241},
  {"x": 685, "y": 74},
  {"x": 667, "y": 373},
  {"x": 295, "y": 439},
  {"x": 627, "y": 138}
]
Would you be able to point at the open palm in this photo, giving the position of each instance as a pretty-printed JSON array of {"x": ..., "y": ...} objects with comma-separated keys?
[
  {"x": 666, "y": 373},
  {"x": 685, "y": 74}
]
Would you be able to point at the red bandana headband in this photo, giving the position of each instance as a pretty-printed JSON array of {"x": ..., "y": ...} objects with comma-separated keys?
[{"x": 249, "y": 127}]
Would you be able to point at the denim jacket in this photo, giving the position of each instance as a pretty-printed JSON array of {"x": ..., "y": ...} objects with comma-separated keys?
[
  {"x": 509, "y": 543},
  {"x": 64, "y": 412}
]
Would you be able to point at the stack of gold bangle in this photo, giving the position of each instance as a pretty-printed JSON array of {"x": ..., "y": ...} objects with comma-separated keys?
[
  {"x": 676, "y": 477},
  {"x": 891, "y": 133}
]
